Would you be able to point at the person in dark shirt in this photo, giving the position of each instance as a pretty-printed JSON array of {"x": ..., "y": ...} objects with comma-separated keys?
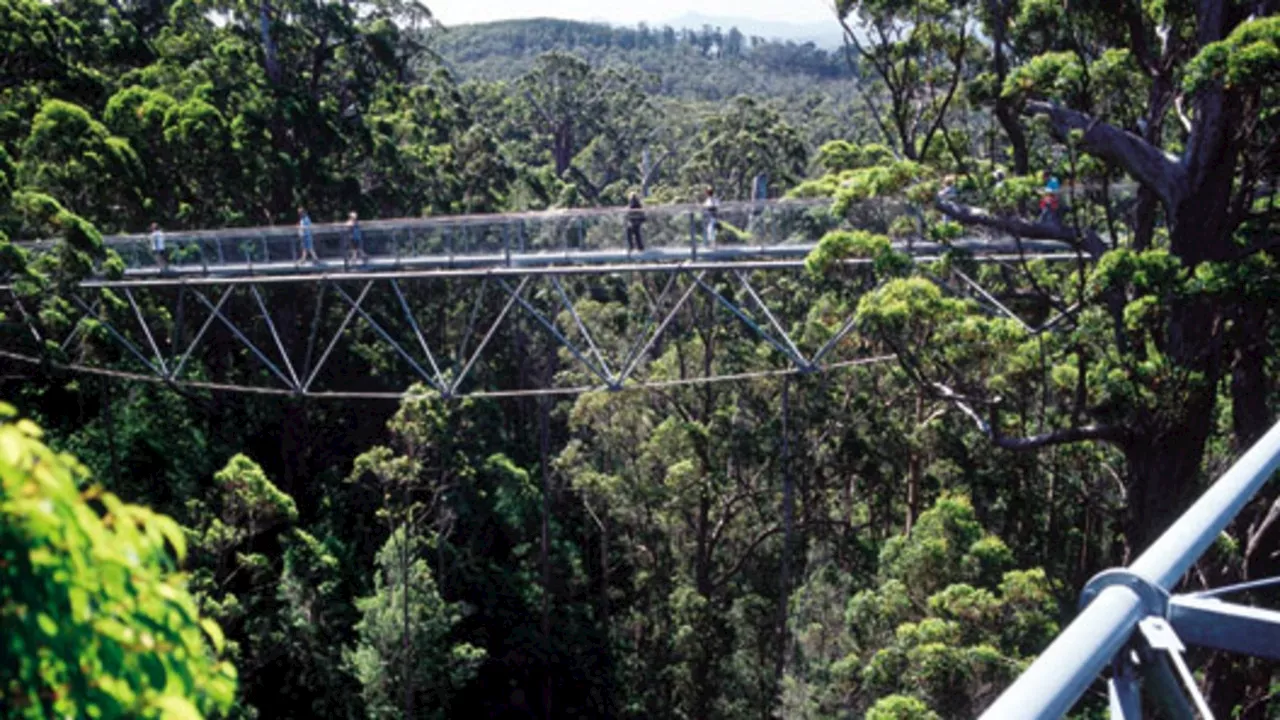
[
  {"x": 635, "y": 218},
  {"x": 355, "y": 239}
]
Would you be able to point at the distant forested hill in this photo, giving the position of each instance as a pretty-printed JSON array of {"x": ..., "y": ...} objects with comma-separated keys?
[{"x": 705, "y": 64}]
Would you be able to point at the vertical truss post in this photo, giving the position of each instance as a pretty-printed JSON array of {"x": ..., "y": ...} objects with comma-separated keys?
[{"x": 693, "y": 236}]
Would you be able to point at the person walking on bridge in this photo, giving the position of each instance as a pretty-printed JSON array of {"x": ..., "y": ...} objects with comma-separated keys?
[
  {"x": 1050, "y": 206},
  {"x": 635, "y": 218},
  {"x": 710, "y": 211},
  {"x": 355, "y": 239},
  {"x": 157, "y": 247},
  {"x": 304, "y": 234}
]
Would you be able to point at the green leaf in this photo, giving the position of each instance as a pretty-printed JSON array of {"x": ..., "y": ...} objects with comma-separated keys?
[
  {"x": 215, "y": 633},
  {"x": 47, "y": 624},
  {"x": 174, "y": 707},
  {"x": 172, "y": 532}
]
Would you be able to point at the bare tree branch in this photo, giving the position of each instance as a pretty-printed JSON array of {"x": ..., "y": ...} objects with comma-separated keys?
[
  {"x": 851, "y": 40},
  {"x": 1066, "y": 436},
  {"x": 1132, "y": 11},
  {"x": 951, "y": 92},
  {"x": 969, "y": 215},
  {"x": 1164, "y": 174},
  {"x": 1258, "y": 532},
  {"x": 749, "y": 552}
]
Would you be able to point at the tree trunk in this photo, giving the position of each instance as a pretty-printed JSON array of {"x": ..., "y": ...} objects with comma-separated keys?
[
  {"x": 914, "y": 471},
  {"x": 562, "y": 148},
  {"x": 1005, "y": 113},
  {"x": 788, "y": 512},
  {"x": 1250, "y": 416},
  {"x": 1164, "y": 461},
  {"x": 406, "y": 635},
  {"x": 545, "y": 552},
  {"x": 1163, "y": 467},
  {"x": 703, "y": 656},
  {"x": 605, "y": 623},
  {"x": 268, "y": 43}
]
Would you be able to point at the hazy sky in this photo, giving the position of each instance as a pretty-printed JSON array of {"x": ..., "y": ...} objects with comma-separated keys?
[{"x": 629, "y": 13}]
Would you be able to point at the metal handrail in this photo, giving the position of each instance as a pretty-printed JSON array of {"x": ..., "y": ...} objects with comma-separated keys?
[{"x": 1053, "y": 683}]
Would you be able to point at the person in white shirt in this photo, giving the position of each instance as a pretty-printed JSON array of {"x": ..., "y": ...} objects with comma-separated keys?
[
  {"x": 710, "y": 209},
  {"x": 157, "y": 247}
]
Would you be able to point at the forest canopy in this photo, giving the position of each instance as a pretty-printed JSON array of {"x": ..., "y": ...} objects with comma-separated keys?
[{"x": 895, "y": 536}]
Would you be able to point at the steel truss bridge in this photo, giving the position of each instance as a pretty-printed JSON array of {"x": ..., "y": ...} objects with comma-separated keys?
[{"x": 304, "y": 326}]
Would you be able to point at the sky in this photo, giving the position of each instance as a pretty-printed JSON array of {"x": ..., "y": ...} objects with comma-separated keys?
[{"x": 454, "y": 12}]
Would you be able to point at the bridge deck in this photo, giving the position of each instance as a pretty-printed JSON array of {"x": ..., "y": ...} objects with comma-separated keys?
[
  {"x": 616, "y": 257},
  {"x": 778, "y": 232}
]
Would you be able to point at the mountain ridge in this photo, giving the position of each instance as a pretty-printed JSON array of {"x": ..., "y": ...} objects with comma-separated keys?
[{"x": 825, "y": 35}]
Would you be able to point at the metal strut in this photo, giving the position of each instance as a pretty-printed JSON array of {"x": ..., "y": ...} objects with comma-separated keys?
[
  {"x": 555, "y": 332},
  {"x": 119, "y": 338},
  {"x": 177, "y": 370},
  {"x": 417, "y": 331},
  {"x": 801, "y": 361},
  {"x": 275, "y": 335},
  {"x": 453, "y": 389},
  {"x": 564, "y": 297},
  {"x": 243, "y": 339},
  {"x": 387, "y": 337},
  {"x": 1118, "y": 602},
  {"x": 796, "y": 358},
  {"x": 336, "y": 337},
  {"x": 635, "y": 361}
]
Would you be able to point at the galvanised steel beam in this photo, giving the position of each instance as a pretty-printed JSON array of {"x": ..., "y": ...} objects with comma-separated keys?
[
  {"x": 1053, "y": 683},
  {"x": 292, "y": 273},
  {"x": 1210, "y": 622}
]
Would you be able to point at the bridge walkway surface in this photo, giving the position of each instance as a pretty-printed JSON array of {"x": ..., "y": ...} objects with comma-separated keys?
[{"x": 748, "y": 234}]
